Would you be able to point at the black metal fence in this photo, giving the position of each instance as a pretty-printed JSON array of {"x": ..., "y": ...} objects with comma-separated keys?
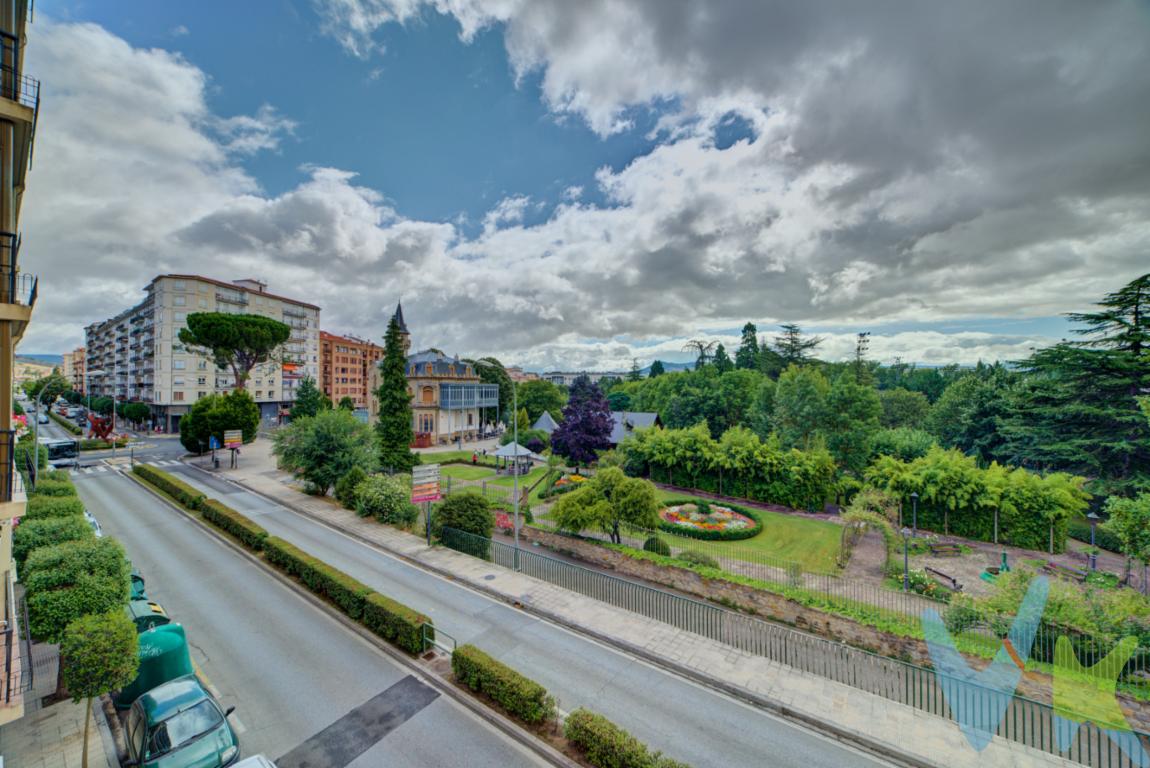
[{"x": 1028, "y": 722}]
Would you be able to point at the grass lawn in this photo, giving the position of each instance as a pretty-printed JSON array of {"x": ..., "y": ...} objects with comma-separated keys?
[
  {"x": 812, "y": 543},
  {"x": 466, "y": 473},
  {"x": 524, "y": 480}
]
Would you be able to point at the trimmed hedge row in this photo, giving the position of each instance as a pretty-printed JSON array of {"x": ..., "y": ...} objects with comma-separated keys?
[
  {"x": 401, "y": 626},
  {"x": 521, "y": 697},
  {"x": 391, "y": 620},
  {"x": 101, "y": 445},
  {"x": 52, "y": 487},
  {"x": 606, "y": 745},
  {"x": 42, "y": 507},
  {"x": 322, "y": 579},
  {"x": 178, "y": 490},
  {"x": 69, "y": 426},
  {"x": 734, "y": 534},
  {"x": 224, "y": 517}
]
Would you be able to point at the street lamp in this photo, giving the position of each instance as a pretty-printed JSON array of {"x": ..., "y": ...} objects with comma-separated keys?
[
  {"x": 515, "y": 466},
  {"x": 1093, "y": 518},
  {"x": 914, "y": 503},
  {"x": 906, "y": 532}
]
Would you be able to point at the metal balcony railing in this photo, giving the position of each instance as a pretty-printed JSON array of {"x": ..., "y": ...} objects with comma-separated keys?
[
  {"x": 8, "y": 473},
  {"x": 18, "y": 288}
]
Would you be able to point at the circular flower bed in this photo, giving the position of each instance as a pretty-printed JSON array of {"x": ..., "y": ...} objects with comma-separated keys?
[{"x": 705, "y": 520}]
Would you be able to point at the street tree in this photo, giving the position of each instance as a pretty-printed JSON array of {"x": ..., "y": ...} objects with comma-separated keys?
[
  {"x": 136, "y": 413},
  {"x": 47, "y": 388},
  {"x": 308, "y": 399},
  {"x": 394, "y": 427},
  {"x": 322, "y": 449},
  {"x": 793, "y": 347},
  {"x": 98, "y": 654},
  {"x": 586, "y": 426},
  {"x": 538, "y": 396},
  {"x": 213, "y": 415},
  {"x": 238, "y": 342},
  {"x": 607, "y": 501},
  {"x": 747, "y": 355}
]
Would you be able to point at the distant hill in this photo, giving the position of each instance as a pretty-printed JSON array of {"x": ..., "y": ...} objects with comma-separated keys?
[
  {"x": 49, "y": 360},
  {"x": 669, "y": 367}
]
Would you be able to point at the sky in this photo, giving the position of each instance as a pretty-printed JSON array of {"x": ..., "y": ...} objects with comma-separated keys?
[{"x": 573, "y": 185}]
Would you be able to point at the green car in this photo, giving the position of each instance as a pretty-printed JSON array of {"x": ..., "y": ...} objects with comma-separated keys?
[{"x": 179, "y": 725}]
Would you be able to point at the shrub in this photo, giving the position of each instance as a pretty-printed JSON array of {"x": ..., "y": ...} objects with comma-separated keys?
[
  {"x": 101, "y": 445},
  {"x": 67, "y": 425},
  {"x": 698, "y": 558},
  {"x": 1079, "y": 529},
  {"x": 319, "y": 577},
  {"x": 606, "y": 745},
  {"x": 64, "y": 564},
  {"x": 41, "y": 507},
  {"x": 321, "y": 449},
  {"x": 387, "y": 499},
  {"x": 465, "y": 511},
  {"x": 24, "y": 448},
  {"x": 177, "y": 489},
  {"x": 33, "y": 534},
  {"x": 658, "y": 546},
  {"x": 399, "y": 625},
  {"x": 55, "y": 474},
  {"x": 50, "y": 611},
  {"x": 48, "y": 487},
  {"x": 345, "y": 489},
  {"x": 521, "y": 697},
  {"x": 241, "y": 527},
  {"x": 703, "y": 507}
]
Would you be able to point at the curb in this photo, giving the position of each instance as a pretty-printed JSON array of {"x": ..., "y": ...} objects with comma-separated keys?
[
  {"x": 871, "y": 746},
  {"x": 503, "y": 724}
]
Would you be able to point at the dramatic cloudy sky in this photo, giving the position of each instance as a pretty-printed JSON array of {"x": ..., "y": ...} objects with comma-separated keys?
[{"x": 575, "y": 183}]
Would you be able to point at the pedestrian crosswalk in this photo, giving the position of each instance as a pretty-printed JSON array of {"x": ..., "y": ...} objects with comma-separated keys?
[{"x": 105, "y": 468}]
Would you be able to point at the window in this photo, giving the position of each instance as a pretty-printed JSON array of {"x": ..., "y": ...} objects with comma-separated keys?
[
  {"x": 259, "y": 393},
  {"x": 180, "y": 301},
  {"x": 178, "y": 365},
  {"x": 201, "y": 380},
  {"x": 200, "y": 395},
  {"x": 179, "y": 285},
  {"x": 178, "y": 382},
  {"x": 203, "y": 303},
  {"x": 181, "y": 317},
  {"x": 177, "y": 397}
]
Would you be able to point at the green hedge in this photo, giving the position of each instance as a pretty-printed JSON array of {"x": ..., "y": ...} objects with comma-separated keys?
[
  {"x": 49, "y": 487},
  {"x": 395, "y": 622},
  {"x": 224, "y": 517},
  {"x": 319, "y": 577},
  {"x": 605, "y": 745},
  {"x": 1080, "y": 529},
  {"x": 41, "y": 507},
  {"x": 519, "y": 696},
  {"x": 65, "y": 423},
  {"x": 731, "y": 535},
  {"x": 33, "y": 534},
  {"x": 101, "y": 445},
  {"x": 178, "y": 490}
]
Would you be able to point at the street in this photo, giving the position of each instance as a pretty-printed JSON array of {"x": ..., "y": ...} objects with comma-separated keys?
[
  {"x": 684, "y": 720},
  {"x": 301, "y": 682}
]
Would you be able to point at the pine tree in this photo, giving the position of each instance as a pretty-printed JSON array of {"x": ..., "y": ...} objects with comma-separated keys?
[
  {"x": 308, "y": 399},
  {"x": 722, "y": 361},
  {"x": 792, "y": 347},
  {"x": 747, "y": 355},
  {"x": 656, "y": 369},
  {"x": 636, "y": 374},
  {"x": 394, "y": 426}
]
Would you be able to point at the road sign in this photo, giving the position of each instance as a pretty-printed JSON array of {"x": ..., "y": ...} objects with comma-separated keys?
[
  {"x": 425, "y": 483},
  {"x": 233, "y": 438},
  {"x": 213, "y": 442}
]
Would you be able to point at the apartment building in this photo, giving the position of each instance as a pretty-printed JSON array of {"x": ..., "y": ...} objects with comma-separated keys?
[
  {"x": 567, "y": 378},
  {"x": 73, "y": 369},
  {"x": 517, "y": 374},
  {"x": 137, "y": 355},
  {"x": 346, "y": 363},
  {"x": 19, "y": 108}
]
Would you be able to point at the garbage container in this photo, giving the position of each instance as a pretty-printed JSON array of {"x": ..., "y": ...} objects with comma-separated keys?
[
  {"x": 137, "y": 592},
  {"x": 146, "y": 614},
  {"x": 163, "y": 656}
]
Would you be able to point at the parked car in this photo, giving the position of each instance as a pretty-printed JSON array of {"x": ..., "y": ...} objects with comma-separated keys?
[
  {"x": 179, "y": 724},
  {"x": 92, "y": 521},
  {"x": 42, "y": 418}
]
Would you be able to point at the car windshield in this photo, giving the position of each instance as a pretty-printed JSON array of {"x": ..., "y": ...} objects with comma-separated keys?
[{"x": 179, "y": 729}]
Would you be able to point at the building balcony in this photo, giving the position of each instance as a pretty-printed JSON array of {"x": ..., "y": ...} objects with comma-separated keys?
[
  {"x": 294, "y": 312},
  {"x": 238, "y": 299}
]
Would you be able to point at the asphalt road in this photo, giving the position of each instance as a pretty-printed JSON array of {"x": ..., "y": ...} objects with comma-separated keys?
[
  {"x": 301, "y": 682},
  {"x": 684, "y": 720}
]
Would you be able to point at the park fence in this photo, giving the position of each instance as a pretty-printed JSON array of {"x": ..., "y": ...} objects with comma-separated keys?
[{"x": 1026, "y": 721}]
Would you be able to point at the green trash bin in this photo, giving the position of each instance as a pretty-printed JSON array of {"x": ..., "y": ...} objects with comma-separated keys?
[
  {"x": 137, "y": 592},
  {"x": 146, "y": 614},
  {"x": 163, "y": 657}
]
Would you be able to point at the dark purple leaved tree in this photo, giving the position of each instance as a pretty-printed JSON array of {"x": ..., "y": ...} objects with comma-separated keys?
[{"x": 586, "y": 425}]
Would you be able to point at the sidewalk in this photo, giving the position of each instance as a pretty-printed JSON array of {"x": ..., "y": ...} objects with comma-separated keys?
[
  {"x": 53, "y": 738},
  {"x": 856, "y": 715}
]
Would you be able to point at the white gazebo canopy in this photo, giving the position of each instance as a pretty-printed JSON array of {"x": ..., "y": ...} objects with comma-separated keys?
[{"x": 513, "y": 450}]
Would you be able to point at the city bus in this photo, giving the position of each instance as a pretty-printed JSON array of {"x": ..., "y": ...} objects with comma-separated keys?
[{"x": 62, "y": 452}]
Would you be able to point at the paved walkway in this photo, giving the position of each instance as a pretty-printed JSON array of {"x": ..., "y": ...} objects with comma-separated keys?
[
  {"x": 52, "y": 738},
  {"x": 924, "y": 738}
]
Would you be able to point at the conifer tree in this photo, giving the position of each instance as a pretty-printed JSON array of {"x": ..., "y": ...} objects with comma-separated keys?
[{"x": 394, "y": 426}]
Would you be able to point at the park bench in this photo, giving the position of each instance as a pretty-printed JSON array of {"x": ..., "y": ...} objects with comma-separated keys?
[
  {"x": 948, "y": 550},
  {"x": 946, "y": 580},
  {"x": 1057, "y": 569}
]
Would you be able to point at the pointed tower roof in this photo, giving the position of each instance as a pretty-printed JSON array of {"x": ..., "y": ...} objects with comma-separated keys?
[{"x": 399, "y": 317}]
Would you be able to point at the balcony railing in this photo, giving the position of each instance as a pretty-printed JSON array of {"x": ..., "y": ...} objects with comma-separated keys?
[
  {"x": 18, "y": 288},
  {"x": 8, "y": 473}
]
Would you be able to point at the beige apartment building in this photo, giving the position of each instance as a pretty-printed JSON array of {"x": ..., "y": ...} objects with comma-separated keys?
[
  {"x": 73, "y": 369},
  {"x": 137, "y": 355},
  {"x": 19, "y": 107}
]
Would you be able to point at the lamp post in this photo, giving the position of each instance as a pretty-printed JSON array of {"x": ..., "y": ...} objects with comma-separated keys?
[
  {"x": 906, "y": 533},
  {"x": 1093, "y": 518},
  {"x": 914, "y": 503},
  {"x": 515, "y": 465}
]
